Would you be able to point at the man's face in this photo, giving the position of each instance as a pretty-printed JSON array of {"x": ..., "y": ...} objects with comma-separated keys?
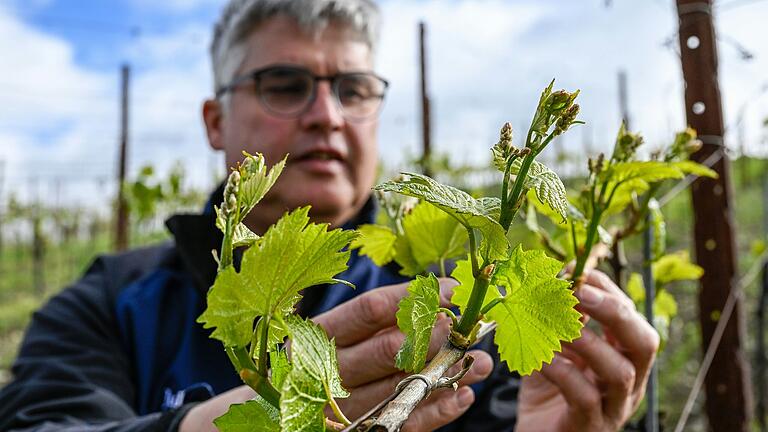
[{"x": 332, "y": 160}]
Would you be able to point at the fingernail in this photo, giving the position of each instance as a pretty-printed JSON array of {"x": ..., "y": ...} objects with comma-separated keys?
[
  {"x": 589, "y": 296},
  {"x": 465, "y": 396}
]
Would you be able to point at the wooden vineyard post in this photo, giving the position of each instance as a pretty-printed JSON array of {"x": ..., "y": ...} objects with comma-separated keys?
[
  {"x": 728, "y": 394},
  {"x": 121, "y": 207}
]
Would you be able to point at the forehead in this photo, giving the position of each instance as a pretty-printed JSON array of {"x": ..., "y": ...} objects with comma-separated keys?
[{"x": 332, "y": 49}]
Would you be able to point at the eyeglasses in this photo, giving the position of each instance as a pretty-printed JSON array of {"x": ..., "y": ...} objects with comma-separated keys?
[{"x": 289, "y": 91}]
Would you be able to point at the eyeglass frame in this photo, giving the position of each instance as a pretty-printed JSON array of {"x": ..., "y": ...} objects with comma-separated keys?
[{"x": 256, "y": 74}]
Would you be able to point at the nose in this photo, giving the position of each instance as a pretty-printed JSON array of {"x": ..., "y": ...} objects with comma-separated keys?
[{"x": 325, "y": 112}]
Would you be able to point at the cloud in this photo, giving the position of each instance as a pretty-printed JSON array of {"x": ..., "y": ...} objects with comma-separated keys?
[
  {"x": 59, "y": 122},
  {"x": 488, "y": 60},
  {"x": 43, "y": 105},
  {"x": 176, "y": 6}
]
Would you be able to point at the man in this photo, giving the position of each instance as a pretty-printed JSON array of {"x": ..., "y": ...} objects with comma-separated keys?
[{"x": 120, "y": 349}]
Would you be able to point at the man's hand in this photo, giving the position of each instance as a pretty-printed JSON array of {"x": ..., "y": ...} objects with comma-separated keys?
[
  {"x": 367, "y": 340},
  {"x": 597, "y": 382}
]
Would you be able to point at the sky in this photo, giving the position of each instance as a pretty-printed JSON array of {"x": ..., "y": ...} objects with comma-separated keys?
[{"x": 488, "y": 60}]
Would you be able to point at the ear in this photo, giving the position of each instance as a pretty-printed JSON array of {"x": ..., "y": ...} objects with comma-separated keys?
[{"x": 213, "y": 114}]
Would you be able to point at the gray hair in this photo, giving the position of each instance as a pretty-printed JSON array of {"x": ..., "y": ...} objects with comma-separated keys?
[{"x": 241, "y": 17}]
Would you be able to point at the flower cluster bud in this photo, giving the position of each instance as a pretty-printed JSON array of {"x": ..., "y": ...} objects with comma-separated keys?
[
  {"x": 596, "y": 165},
  {"x": 230, "y": 193},
  {"x": 505, "y": 136},
  {"x": 523, "y": 152},
  {"x": 566, "y": 119},
  {"x": 247, "y": 164},
  {"x": 684, "y": 145},
  {"x": 558, "y": 100},
  {"x": 626, "y": 145}
]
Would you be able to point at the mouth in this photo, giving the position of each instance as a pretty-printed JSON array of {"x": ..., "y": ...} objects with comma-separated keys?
[{"x": 320, "y": 155}]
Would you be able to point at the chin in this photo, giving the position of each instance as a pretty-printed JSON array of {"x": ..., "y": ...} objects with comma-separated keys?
[{"x": 330, "y": 207}]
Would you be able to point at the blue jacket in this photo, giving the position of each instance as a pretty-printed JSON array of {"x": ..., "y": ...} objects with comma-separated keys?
[{"x": 120, "y": 350}]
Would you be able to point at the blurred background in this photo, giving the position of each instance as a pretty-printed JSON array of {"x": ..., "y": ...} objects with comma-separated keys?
[{"x": 63, "y": 65}]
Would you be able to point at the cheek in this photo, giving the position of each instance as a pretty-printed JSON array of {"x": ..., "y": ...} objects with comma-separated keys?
[
  {"x": 366, "y": 148},
  {"x": 262, "y": 135}
]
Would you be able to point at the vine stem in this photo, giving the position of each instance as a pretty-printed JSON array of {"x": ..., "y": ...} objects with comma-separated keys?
[
  {"x": 581, "y": 261},
  {"x": 473, "y": 252},
  {"x": 508, "y": 212},
  {"x": 472, "y": 313}
]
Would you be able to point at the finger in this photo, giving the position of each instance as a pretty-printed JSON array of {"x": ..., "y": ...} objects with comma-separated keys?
[
  {"x": 364, "y": 315},
  {"x": 374, "y": 358},
  {"x": 446, "y": 290},
  {"x": 366, "y": 396},
  {"x": 583, "y": 397},
  {"x": 600, "y": 280},
  {"x": 573, "y": 355},
  {"x": 440, "y": 410},
  {"x": 617, "y": 375},
  {"x": 636, "y": 338}
]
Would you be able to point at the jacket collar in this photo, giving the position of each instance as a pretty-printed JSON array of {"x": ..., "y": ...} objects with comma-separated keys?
[{"x": 196, "y": 236}]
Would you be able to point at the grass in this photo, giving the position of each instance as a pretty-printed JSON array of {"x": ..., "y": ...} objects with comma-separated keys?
[{"x": 19, "y": 298}]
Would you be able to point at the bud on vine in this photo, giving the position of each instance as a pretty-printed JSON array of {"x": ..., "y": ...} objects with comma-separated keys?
[
  {"x": 487, "y": 271},
  {"x": 247, "y": 164},
  {"x": 626, "y": 145},
  {"x": 523, "y": 152},
  {"x": 558, "y": 100},
  {"x": 230, "y": 193},
  {"x": 566, "y": 119},
  {"x": 505, "y": 136},
  {"x": 596, "y": 165}
]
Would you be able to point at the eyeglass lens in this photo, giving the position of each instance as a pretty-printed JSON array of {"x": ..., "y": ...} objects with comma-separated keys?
[{"x": 290, "y": 91}]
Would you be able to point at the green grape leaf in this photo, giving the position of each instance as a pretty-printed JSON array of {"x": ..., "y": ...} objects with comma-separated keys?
[
  {"x": 695, "y": 168},
  {"x": 256, "y": 181},
  {"x": 313, "y": 380},
  {"x": 292, "y": 255},
  {"x": 664, "y": 304},
  {"x": 242, "y": 236},
  {"x": 313, "y": 354},
  {"x": 221, "y": 220},
  {"x": 499, "y": 158},
  {"x": 416, "y": 317},
  {"x": 279, "y": 367},
  {"x": 463, "y": 275},
  {"x": 646, "y": 171},
  {"x": 433, "y": 235},
  {"x": 674, "y": 267},
  {"x": 636, "y": 288},
  {"x": 537, "y": 311},
  {"x": 625, "y": 194},
  {"x": 253, "y": 415},
  {"x": 575, "y": 218},
  {"x": 757, "y": 248},
  {"x": 480, "y": 214},
  {"x": 405, "y": 259},
  {"x": 377, "y": 242},
  {"x": 547, "y": 185},
  {"x": 531, "y": 220}
]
